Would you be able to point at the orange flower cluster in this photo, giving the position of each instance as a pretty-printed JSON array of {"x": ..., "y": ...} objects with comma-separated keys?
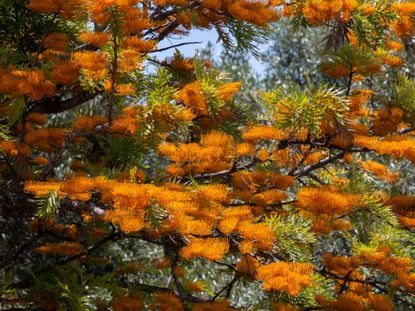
[
  {"x": 65, "y": 248},
  {"x": 89, "y": 123},
  {"x": 123, "y": 303},
  {"x": 342, "y": 265},
  {"x": 210, "y": 248},
  {"x": 191, "y": 95},
  {"x": 399, "y": 148},
  {"x": 325, "y": 201},
  {"x": 66, "y": 8},
  {"x": 14, "y": 149},
  {"x": 402, "y": 205},
  {"x": 139, "y": 44},
  {"x": 31, "y": 83},
  {"x": 359, "y": 295},
  {"x": 358, "y": 300},
  {"x": 258, "y": 132},
  {"x": 214, "y": 153},
  {"x": 379, "y": 170},
  {"x": 285, "y": 276},
  {"x": 77, "y": 188},
  {"x": 259, "y": 233},
  {"x": 45, "y": 139},
  {"x": 128, "y": 122},
  {"x": 228, "y": 90},
  {"x": 56, "y": 41},
  {"x": 380, "y": 258},
  {"x": 325, "y": 206},
  {"x": 406, "y": 280},
  {"x": 357, "y": 99},
  {"x": 405, "y": 26},
  {"x": 65, "y": 72},
  {"x": 387, "y": 121},
  {"x": 255, "y": 12},
  {"x": 166, "y": 302},
  {"x": 42, "y": 188},
  {"x": 93, "y": 64},
  {"x": 317, "y": 11},
  {"x": 95, "y": 38}
]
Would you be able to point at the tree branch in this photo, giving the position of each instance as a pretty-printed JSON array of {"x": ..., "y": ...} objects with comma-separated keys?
[{"x": 57, "y": 105}]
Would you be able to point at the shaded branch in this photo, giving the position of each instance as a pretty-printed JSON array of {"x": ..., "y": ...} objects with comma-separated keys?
[
  {"x": 227, "y": 172},
  {"x": 174, "y": 46},
  {"x": 56, "y": 104},
  {"x": 306, "y": 171}
]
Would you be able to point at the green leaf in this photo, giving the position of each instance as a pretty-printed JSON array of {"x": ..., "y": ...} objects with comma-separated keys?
[
  {"x": 161, "y": 89},
  {"x": 48, "y": 206},
  {"x": 16, "y": 110},
  {"x": 294, "y": 235}
]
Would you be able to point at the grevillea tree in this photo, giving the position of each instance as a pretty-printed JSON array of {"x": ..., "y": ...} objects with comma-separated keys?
[{"x": 130, "y": 182}]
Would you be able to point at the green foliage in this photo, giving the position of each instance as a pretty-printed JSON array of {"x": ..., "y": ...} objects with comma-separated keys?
[
  {"x": 294, "y": 235},
  {"x": 48, "y": 206},
  {"x": 159, "y": 86},
  {"x": 120, "y": 152},
  {"x": 210, "y": 81},
  {"x": 71, "y": 288},
  {"x": 322, "y": 286},
  {"x": 350, "y": 57},
  {"x": 242, "y": 36},
  {"x": 369, "y": 28},
  {"x": 5, "y": 132},
  {"x": 296, "y": 108},
  {"x": 21, "y": 30},
  {"x": 16, "y": 109},
  {"x": 403, "y": 93}
]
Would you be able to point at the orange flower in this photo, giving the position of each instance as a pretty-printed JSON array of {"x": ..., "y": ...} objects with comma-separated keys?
[
  {"x": 95, "y": 38},
  {"x": 285, "y": 276},
  {"x": 210, "y": 248}
]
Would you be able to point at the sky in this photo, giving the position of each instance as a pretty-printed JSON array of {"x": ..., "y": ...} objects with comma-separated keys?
[{"x": 202, "y": 36}]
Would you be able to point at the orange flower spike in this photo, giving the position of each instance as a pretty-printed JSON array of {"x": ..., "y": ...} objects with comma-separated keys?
[
  {"x": 264, "y": 132},
  {"x": 40, "y": 161},
  {"x": 254, "y": 12},
  {"x": 167, "y": 302},
  {"x": 214, "y": 192},
  {"x": 320, "y": 201},
  {"x": 127, "y": 303},
  {"x": 65, "y": 248},
  {"x": 56, "y": 41},
  {"x": 227, "y": 225},
  {"x": 211, "y": 248},
  {"x": 191, "y": 96},
  {"x": 261, "y": 233},
  {"x": 248, "y": 265},
  {"x": 229, "y": 90},
  {"x": 285, "y": 276},
  {"x": 42, "y": 188},
  {"x": 379, "y": 170},
  {"x": 65, "y": 72},
  {"x": 43, "y": 6},
  {"x": 97, "y": 39}
]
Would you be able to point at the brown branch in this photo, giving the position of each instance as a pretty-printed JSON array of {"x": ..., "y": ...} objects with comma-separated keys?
[
  {"x": 57, "y": 105},
  {"x": 227, "y": 172},
  {"x": 174, "y": 46},
  {"x": 26, "y": 281},
  {"x": 321, "y": 164},
  {"x": 114, "y": 80}
]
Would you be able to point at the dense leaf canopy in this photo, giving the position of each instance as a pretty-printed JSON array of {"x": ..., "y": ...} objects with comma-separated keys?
[{"x": 130, "y": 182}]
